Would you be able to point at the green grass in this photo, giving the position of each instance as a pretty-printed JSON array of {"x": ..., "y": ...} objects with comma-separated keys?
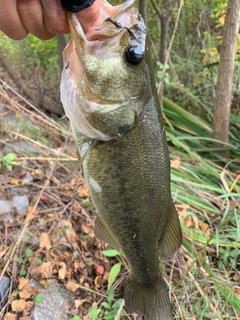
[{"x": 212, "y": 193}]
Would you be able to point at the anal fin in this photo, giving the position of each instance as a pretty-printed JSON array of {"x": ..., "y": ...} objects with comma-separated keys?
[
  {"x": 102, "y": 233},
  {"x": 172, "y": 237}
]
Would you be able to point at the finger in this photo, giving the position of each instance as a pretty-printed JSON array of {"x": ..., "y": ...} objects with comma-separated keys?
[
  {"x": 90, "y": 16},
  {"x": 55, "y": 17},
  {"x": 10, "y": 22},
  {"x": 30, "y": 12}
]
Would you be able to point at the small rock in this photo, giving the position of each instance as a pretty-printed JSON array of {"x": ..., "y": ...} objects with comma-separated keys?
[
  {"x": 54, "y": 301},
  {"x": 28, "y": 178},
  {"x": 20, "y": 203},
  {"x": 5, "y": 210}
]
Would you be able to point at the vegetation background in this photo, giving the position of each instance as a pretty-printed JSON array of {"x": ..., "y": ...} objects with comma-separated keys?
[{"x": 204, "y": 276}]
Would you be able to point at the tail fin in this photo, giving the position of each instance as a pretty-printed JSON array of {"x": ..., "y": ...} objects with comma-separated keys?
[{"x": 152, "y": 302}]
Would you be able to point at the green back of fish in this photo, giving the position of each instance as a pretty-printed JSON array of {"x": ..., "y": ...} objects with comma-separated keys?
[{"x": 129, "y": 182}]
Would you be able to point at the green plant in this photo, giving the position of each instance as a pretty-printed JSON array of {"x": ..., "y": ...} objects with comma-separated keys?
[
  {"x": 22, "y": 261},
  {"x": 160, "y": 74},
  {"x": 7, "y": 161},
  {"x": 110, "y": 309},
  {"x": 38, "y": 298}
]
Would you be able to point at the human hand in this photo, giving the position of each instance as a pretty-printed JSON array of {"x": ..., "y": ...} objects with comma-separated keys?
[{"x": 42, "y": 18}]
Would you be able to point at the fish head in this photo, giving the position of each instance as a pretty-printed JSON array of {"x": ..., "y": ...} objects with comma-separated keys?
[{"x": 105, "y": 81}]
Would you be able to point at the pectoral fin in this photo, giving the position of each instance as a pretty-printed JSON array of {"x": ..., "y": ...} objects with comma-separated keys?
[
  {"x": 103, "y": 234},
  {"x": 80, "y": 161},
  {"x": 172, "y": 237}
]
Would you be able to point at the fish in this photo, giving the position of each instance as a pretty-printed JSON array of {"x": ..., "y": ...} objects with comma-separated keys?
[{"x": 109, "y": 95}]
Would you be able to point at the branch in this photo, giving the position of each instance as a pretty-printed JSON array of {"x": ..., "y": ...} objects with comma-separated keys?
[
  {"x": 168, "y": 12},
  {"x": 170, "y": 46},
  {"x": 170, "y": 7},
  {"x": 159, "y": 13}
]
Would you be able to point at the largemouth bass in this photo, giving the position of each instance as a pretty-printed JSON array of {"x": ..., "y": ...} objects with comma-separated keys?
[{"x": 108, "y": 92}]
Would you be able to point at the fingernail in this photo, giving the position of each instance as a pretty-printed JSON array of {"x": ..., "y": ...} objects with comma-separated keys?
[{"x": 50, "y": 6}]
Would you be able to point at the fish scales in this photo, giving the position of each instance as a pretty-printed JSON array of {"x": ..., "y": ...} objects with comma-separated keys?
[
  {"x": 128, "y": 170},
  {"x": 134, "y": 190}
]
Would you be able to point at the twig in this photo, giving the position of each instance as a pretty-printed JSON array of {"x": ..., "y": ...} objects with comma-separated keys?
[
  {"x": 117, "y": 316},
  {"x": 159, "y": 13},
  {"x": 213, "y": 309},
  {"x": 170, "y": 46},
  {"x": 40, "y": 145},
  {"x": 42, "y": 116},
  {"x": 170, "y": 6},
  {"x": 29, "y": 217},
  {"x": 45, "y": 159},
  {"x": 232, "y": 186}
]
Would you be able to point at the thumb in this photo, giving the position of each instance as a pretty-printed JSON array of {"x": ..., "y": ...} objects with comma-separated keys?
[{"x": 88, "y": 12}]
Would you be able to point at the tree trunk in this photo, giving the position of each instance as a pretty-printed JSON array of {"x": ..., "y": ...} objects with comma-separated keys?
[
  {"x": 222, "y": 103},
  {"x": 164, "y": 15},
  {"x": 164, "y": 39},
  {"x": 143, "y": 10}
]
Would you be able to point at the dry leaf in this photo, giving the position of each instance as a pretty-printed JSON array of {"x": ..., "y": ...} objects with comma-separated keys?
[
  {"x": 191, "y": 221},
  {"x": 27, "y": 310},
  {"x": 182, "y": 209},
  {"x": 31, "y": 209},
  {"x": 3, "y": 250},
  {"x": 97, "y": 244},
  {"x": 10, "y": 316},
  {"x": 195, "y": 223},
  {"x": 175, "y": 163},
  {"x": 42, "y": 272},
  {"x": 237, "y": 291},
  {"x": 91, "y": 234},
  {"x": 236, "y": 277},
  {"x": 22, "y": 282},
  {"x": 27, "y": 291},
  {"x": 105, "y": 276},
  {"x": 82, "y": 191},
  {"x": 188, "y": 221},
  {"x": 43, "y": 283},
  {"x": 76, "y": 206},
  {"x": 86, "y": 228},
  {"x": 205, "y": 228},
  {"x": 79, "y": 265},
  {"x": 44, "y": 241},
  {"x": 15, "y": 182},
  {"x": 97, "y": 282},
  {"x": 29, "y": 305},
  {"x": 18, "y": 305},
  {"x": 70, "y": 233},
  {"x": 72, "y": 286},
  {"x": 73, "y": 182},
  {"x": 78, "y": 303},
  {"x": 62, "y": 271}
]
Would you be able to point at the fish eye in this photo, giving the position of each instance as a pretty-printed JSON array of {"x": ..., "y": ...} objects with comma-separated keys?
[{"x": 134, "y": 55}]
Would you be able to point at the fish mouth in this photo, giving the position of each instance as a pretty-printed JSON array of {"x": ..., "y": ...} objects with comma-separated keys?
[{"x": 124, "y": 19}]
